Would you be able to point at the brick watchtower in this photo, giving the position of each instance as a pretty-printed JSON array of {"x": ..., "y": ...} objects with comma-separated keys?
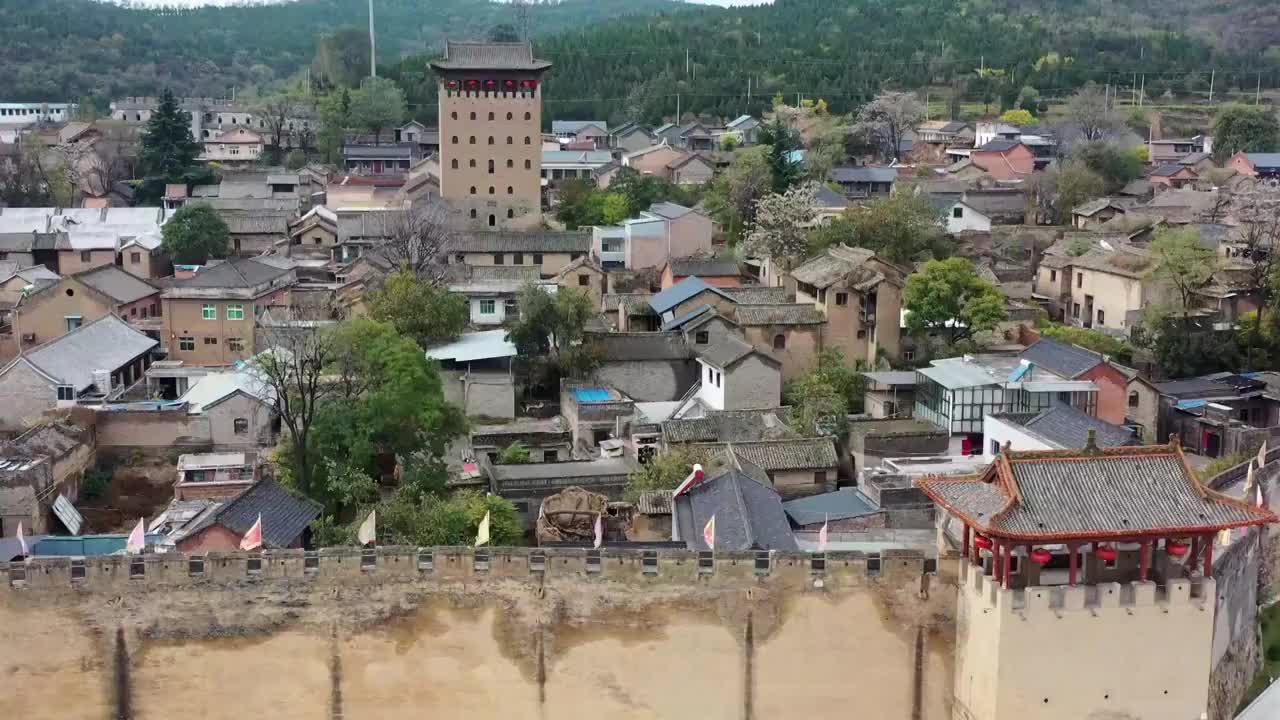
[
  {"x": 1086, "y": 583},
  {"x": 490, "y": 132}
]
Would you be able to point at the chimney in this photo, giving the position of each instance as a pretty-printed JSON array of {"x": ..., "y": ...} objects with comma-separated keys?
[
  {"x": 102, "y": 381},
  {"x": 1091, "y": 443}
]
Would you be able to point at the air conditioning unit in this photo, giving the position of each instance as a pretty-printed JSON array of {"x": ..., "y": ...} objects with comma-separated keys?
[{"x": 28, "y": 337}]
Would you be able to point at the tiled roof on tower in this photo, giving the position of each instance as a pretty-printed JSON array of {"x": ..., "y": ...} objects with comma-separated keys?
[
  {"x": 1061, "y": 495},
  {"x": 460, "y": 55}
]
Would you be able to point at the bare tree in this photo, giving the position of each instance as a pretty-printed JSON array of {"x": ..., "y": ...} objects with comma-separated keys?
[
  {"x": 95, "y": 165},
  {"x": 1259, "y": 234},
  {"x": 277, "y": 112},
  {"x": 1089, "y": 110},
  {"x": 419, "y": 237},
  {"x": 886, "y": 120}
]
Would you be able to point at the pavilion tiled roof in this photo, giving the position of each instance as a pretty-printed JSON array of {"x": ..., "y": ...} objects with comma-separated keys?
[{"x": 1060, "y": 495}]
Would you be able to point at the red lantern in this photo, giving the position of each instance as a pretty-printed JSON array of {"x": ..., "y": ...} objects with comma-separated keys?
[
  {"x": 529, "y": 83},
  {"x": 490, "y": 84},
  {"x": 452, "y": 84},
  {"x": 1041, "y": 556},
  {"x": 473, "y": 83},
  {"x": 1106, "y": 552},
  {"x": 1175, "y": 548},
  {"x": 509, "y": 84},
  {"x": 982, "y": 541}
]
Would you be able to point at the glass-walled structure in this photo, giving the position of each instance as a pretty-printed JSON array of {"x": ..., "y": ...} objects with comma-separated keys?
[{"x": 955, "y": 394}]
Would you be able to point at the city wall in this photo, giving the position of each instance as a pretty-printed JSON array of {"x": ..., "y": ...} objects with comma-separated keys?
[{"x": 514, "y": 633}]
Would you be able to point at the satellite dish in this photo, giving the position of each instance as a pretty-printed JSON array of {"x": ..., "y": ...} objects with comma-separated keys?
[{"x": 1106, "y": 245}]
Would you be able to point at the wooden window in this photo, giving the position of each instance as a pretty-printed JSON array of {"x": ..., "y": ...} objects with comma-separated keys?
[
  {"x": 240, "y": 426},
  {"x": 498, "y": 259},
  {"x": 235, "y": 344},
  {"x": 842, "y": 298},
  {"x": 187, "y": 343}
]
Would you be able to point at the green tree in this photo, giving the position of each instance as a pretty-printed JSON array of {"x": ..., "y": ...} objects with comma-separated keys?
[
  {"x": 195, "y": 234},
  {"x": 1182, "y": 343},
  {"x": 549, "y": 336},
  {"x": 1029, "y": 99},
  {"x": 666, "y": 470},
  {"x": 732, "y": 197},
  {"x": 341, "y": 58},
  {"x": 1072, "y": 184},
  {"x": 901, "y": 228},
  {"x": 1182, "y": 263},
  {"x": 1239, "y": 128},
  {"x": 823, "y": 397},
  {"x": 948, "y": 298},
  {"x": 779, "y": 142},
  {"x": 504, "y": 32},
  {"x": 417, "y": 309},
  {"x": 641, "y": 191},
  {"x": 168, "y": 150},
  {"x": 517, "y": 453},
  {"x": 376, "y": 105},
  {"x": 1114, "y": 165},
  {"x": 431, "y": 520},
  {"x": 334, "y": 110}
]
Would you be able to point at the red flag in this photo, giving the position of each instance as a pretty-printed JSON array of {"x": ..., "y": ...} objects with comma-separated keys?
[
  {"x": 709, "y": 533},
  {"x": 252, "y": 540},
  {"x": 137, "y": 541},
  {"x": 599, "y": 530}
]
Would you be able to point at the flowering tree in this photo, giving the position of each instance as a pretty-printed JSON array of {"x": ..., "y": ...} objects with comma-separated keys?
[{"x": 781, "y": 228}]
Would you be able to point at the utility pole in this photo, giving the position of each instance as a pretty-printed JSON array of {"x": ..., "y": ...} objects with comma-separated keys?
[
  {"x": 1135, "y": 88},
  {"x": 1212, "y": 73},
  {"x": 677, "y": 108},
  {"x": 1257, "y": 94},
  {"x": 1142, "y": 94},
  {"x": 747, "y": 111},
  {"x": 686, "y": 61},
  {"x": 373, "y": 51}
]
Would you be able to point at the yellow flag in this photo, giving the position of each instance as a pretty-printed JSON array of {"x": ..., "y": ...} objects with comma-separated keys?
[{"x": 482, "y": 535}]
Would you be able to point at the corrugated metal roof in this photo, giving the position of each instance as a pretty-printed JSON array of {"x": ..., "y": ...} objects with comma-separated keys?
[
  {"x": 682, "y": 291},
  {"x": 483, "y": 345},
  {"x": 954, "y": 373},
  {"x": 107, "y": 343}
]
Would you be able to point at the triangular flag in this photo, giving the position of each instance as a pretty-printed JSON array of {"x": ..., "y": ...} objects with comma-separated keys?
[
  {"x": 822, "y": 536},
  {"x": 1248, "y": 481},
  {"x": 599, "y": 530},
  {"x": 1261, "y": 501},
  {"x": 137, "y": 541},
  {"x": 22, "y": 540},
  {"x": 252, "y": 540},
  {"x": 482, "y": 533},
  {"x": 1262, "y": 455},
  {"x": 709, "y": 533},
  {"x": 368, "y": 532}
]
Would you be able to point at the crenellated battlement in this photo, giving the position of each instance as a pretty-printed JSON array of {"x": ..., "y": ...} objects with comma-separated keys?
[
  {"x": 1101, "y": 596},
  {"x": 346, "y": 565}
]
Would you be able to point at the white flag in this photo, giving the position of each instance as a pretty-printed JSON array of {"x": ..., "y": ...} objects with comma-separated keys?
[
  {"x": 482, "y": 532},
  {"x": 368, "y": 532},
  {"x": 137, "y": 541},
  {"x": 1262, "y": 455},
  {"x": 822, "y": 536},
  {"x": 1248, "y": 481},
  {"x": 22, "y": 541},
  {"x": 1261, "y": 501},
  {"x": 709, "y": 533},
  {"x": 599, "y": 530}
]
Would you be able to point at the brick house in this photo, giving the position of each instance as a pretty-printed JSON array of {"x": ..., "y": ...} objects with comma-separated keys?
[
  {"x": 1004, "y": 159},
  {"x": 56, "y": 308},
  {"x": 1265, "y": 165},
  {"x": 861, "y": 297},
  {"x": 791, "y": 333},
  {"x": 1076, "y": 363},
  {"x": 717, "y": 271},
  {"x": 285, "y": 521},
  {"x": 1172, "y": 175},
  {"x": 209, "y": 317}
]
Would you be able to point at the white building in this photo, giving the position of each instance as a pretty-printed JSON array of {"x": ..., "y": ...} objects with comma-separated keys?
[
  {"x": 1060, "y": 427},
  {"x": 18, "y": 113}
]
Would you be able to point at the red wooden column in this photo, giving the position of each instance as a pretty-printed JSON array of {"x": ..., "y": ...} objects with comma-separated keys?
[
  {"x": 1208, "y": 556},
  {"x": 1144, "y": 560},
  {"x": 1074, "y": 558}
]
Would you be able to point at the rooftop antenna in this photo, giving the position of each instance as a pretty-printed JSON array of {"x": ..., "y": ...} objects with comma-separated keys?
[{"x": 373, "y": 51}]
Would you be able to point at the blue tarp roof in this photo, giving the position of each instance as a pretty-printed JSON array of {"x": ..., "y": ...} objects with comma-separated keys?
[{"x": 86, "y": 545}]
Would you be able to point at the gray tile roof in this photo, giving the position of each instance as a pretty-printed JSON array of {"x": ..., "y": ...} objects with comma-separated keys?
[
  {"x": 234, "y": 273},
  {"x": 756, "y": 295},
  {"x": 999, "y": 145},
  {"x": 117, "y": 284},
  {"x": 1068, "y": 428},
  {"x": 825, "y": 197},
  {"x": 997, "y": 203},
  {"x": 571, "y": 127},
  {"x": 792, "y": 314},
  {"x": 863, "y": 175},
  {"x": 748, "y": 514},
  {"x": 1053, "y": 495},
  {"x": 547, "y": 241},
  {"x": 637, "y": 303},
  {"x": 728, "y": 426},
  {"x": 107, "y": 343},
  {"x": 844, "y": 503},
  {"x": 829, "y": 267},
  {"x": 726, "y": 352},
  {"x": 1069, "y": 361},
  {"x": 788, "y": 454},
  {"x": 704, "y": 266},
  {"x": 1264, "y": 160},
  {"x": 489, "y": 56},
  {"x": 1168, "y": 170},
  {"x": 624, "y": 347},
  {"x": 284, "y": 516},
  {"x": 669, "y": 210}
]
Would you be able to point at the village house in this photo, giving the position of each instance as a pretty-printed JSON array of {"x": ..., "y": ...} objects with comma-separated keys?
[
  {"x": 1004, "y": 159},
  {"x": 1256, "y": 165},
  {"x": 1097, "y": 212},
  {"x": 585, "y": 275},
  {"x": 209, "y": 318},
  {"x": 475, "y": 372},
  {"x": 234, "y": 147},
  {"x": 630, "y": 137},
  {"x": 690, "y": 136},
  {"x": 1077, "y": 363},
  {"x": 17, "y": 280},
  {"x": 703, "y": 327},
  {"x": 527, "y": 485},
  {"x": 594, "y": 131},
  {"x": 1095, "y": 283},
  {"x": 720, "y": 271},
  {"x": 664, "y": 231},
  {"x": 654, "y": 159},
  {"x": 945, "y": 132},
  {"x": 889, "y": 393},
  {"x": 40, "y": 473},
  {"x": 645, "y": 366},
  {"x": 693, "y": 169},
  {"x": 861, "y": 297},
  {"x": 595, "y": 413},
  {"x": 745, "y": 128},
  {"x": 560, "y": 165},
  {"x": 629, "y": 312},
  {"x": 1166, "y": 150},
  {"x": 55, "y": 308},
  {"x": 1172, "y": 175},
  {"x": 794, "y": 466},
  {"x": 1219, "y": 414},
  {"x": 828, "y": 204},
  {"x": 548, "y": 440},
  {"x": 215, "y": 476},
  {"x": 286, "y": 521},
  {"x": 491, "y": 290},
  {"x": 739, "y": 495},
  {"x": 239, "y": 405},
  {"x": 1060, "y": 427},
  {"x": 391, "y": 160},
  {"x": 94, "y": 363},
  {"x": 862, "y": 183},
  {"x": 792, "y": 334},
  {"x": 549, "y": 251},
  {"x": 71, "y": 240},
  {"x": 736, "y": 376}
]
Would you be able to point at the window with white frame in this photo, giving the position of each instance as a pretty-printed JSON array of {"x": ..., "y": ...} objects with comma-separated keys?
[
  {"x": 488, "y": 307},
  {"x": 209, "y": 312},
  {"x": 235, "y": 312}
]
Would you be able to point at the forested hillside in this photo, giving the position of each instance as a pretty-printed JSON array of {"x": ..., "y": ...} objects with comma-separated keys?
[{"x": 64, "y": 49}]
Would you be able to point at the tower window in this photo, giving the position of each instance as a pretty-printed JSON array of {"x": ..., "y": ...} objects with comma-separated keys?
[
  {"x": 490, "y": 139},
  {"x": 510, "y": 190},
  {"x": 454, "y": 140},
  {"x": 490, "y": 189},
  {"x": 779, "y": 342},
  {"x": 490, "y": 116},
  {"x": 473, "y": 213},
  {"x": 473, "y": 189},
  {"x": 493, "y": 220},
  {"x": 473, "y": 116},
  {"x": 512, "y": 213},
  {"x": 454, "y": 115},
  {"x": 528, "y": 164},
  {"x": 473, "y": 137},
  {"x": 490, "y": 167},
  {"x": 528, "y": 116},
  {"x": 472, "y": 162},
  {"x": 510, "y": 163},
  {"x": 455, "y": 163},
  {"x": 527, "y": 140},
  {"x": 508, "y": 116},
  {"x": 509, "y": 140}
]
